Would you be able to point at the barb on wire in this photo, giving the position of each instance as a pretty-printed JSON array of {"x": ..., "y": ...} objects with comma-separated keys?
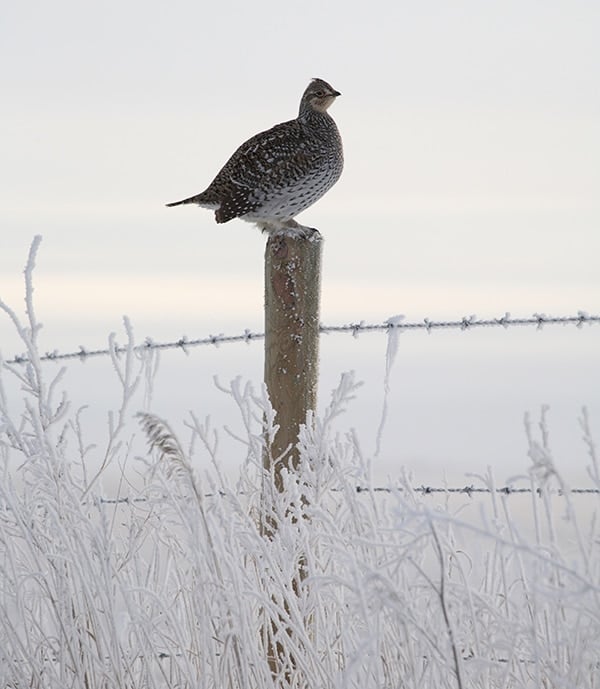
[{"x": 539, "y": 320}]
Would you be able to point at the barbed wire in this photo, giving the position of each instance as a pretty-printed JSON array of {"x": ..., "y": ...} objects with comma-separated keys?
[
  {"x": 539, "y": 320},
  {"x": 469, "y": 491}
]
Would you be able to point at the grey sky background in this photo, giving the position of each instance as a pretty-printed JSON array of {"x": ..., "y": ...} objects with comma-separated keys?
[{"x": 472, "y": 139}]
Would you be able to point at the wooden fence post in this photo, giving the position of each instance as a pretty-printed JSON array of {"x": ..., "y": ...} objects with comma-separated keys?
[{"x": 292, "y": 294}]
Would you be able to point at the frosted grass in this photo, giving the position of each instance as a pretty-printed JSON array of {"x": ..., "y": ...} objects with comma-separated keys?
[{"x": 184, "y": 586}]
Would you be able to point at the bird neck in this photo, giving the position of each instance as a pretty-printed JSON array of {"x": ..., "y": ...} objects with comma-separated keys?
[{"x": 313, "y": 117}]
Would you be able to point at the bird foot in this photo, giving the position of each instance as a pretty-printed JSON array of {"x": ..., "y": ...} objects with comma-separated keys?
[
  {"x": 291, "y": 228},
  {"x": 310, "y": 233}
]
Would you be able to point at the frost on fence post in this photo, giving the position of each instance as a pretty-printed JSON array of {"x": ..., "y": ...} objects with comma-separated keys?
[{"x": 292, "y": 290}]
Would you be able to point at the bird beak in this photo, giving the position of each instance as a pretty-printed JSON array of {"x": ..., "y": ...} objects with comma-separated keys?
[{"x": 335, "y": 94}]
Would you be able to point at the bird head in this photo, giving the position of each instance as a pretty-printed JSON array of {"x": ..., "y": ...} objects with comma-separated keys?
[{"x": 319, "y": 95}]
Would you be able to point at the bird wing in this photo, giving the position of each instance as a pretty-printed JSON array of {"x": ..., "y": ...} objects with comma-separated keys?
[{"x": 267, "y": 162}]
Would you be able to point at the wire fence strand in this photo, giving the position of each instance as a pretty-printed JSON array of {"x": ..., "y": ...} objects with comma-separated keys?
[
  {"x": 469, "y": 491},
  {"x": 537, "y": 320}
]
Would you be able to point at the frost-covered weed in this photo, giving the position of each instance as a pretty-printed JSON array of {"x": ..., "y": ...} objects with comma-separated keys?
[{"x": 180, "y": 585}]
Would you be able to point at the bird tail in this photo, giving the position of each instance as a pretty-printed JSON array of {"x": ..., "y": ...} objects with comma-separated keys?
[{"x": 191, "y": 199}]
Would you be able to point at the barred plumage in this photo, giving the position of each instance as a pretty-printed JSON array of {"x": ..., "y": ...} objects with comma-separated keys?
[{"x": 280, "y": 172}]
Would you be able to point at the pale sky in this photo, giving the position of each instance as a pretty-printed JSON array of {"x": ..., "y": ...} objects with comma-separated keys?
[{"x": 472, "y": 178}]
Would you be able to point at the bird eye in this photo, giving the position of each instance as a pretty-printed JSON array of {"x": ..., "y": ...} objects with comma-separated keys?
[{"x": 320, "y": 93}]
